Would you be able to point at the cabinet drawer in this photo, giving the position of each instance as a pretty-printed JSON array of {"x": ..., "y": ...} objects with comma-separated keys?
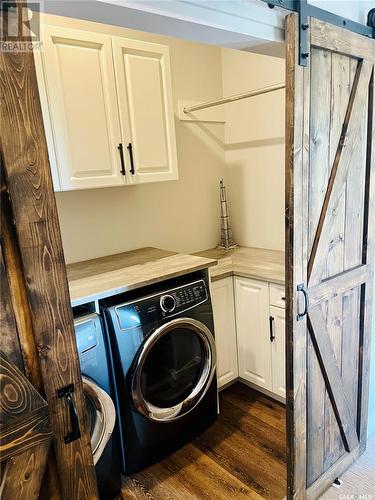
[{"x": 277, "y": 295}]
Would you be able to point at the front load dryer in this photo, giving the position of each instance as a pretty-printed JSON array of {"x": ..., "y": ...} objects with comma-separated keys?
[
  {"x": 98, "y": 388},
  {"x": 164, "y": 357}
]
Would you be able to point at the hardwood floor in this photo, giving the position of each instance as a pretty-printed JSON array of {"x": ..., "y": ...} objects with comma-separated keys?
[{"x": 242, "y": 455}]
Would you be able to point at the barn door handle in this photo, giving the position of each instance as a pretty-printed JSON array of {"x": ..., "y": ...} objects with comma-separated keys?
[
  {"x": 75, "y": 433},
  {"x": 130, "y": 149},
  {"x": 120, "y": 148},
  {"x": 301, "y": 288}
]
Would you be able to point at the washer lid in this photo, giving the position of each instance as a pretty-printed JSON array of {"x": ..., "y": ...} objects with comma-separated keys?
[{"x": 100, "y": 414}]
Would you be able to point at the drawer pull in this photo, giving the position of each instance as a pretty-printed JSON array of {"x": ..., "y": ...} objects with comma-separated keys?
[
  {"x": 121, "y": 150},
  {"x": 130, "y": 149},
  {"x": 272, "y": 336}
]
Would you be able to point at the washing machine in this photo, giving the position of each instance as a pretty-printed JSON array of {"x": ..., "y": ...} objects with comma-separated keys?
[
  {"x": 99, "y": 393},
  {"x": 164, "y": 360}
]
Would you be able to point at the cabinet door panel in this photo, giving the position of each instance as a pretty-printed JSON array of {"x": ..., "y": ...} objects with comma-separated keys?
[
  {"x": 253, "y": 339},
  {"x": 225, "y": 330},
  {"x": 146, "y": 108},
  {"x": 278, "y": 351},
  {"x": 81, "y": 93}
]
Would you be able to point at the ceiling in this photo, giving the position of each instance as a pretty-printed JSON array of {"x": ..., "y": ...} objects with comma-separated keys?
[{"x": 239, "y": 24}]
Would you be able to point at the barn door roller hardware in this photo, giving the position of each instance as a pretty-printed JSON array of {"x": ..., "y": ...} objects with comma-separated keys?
[{"x": 306, "y": 10}]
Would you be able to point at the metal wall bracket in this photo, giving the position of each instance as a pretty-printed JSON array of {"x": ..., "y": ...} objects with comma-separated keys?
[
  {"x": 306, "y": 10},
  {"x": 303, "y": 26}
]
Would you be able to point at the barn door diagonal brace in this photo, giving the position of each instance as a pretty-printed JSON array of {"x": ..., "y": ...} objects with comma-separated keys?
[
  {"x": 306, "y": 10},
  {"x": 332, "y": 378}
]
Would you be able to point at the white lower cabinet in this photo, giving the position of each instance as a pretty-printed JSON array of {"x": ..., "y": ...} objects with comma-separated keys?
[
  {"x": 253, "y": 340},
  {"x": 225, "y": 330},
  {"x": 250, "y": 328},
  {"x": 277, "y": 322}
]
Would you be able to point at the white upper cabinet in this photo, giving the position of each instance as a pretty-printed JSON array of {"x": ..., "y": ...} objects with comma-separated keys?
[
  {"x": 82, "y": 103},
  {"x": 144, "y": 90},
  {"x": 225, "y": 330},
  {"x": 253, "y": 335},
  {"x": 98, "y": 92}
]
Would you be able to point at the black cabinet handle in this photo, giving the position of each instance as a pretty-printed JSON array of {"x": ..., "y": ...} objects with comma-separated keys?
[
  {"x": 120, "y": 148},
  {"x": 130, "y": 149},
  {"x": 272, "y": 336},
  {"x": 301, "y": 288},
  {"x": 75, "y": 433}
]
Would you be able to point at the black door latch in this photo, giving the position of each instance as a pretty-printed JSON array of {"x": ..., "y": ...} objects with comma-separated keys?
[{"x": 75, "y": 433}]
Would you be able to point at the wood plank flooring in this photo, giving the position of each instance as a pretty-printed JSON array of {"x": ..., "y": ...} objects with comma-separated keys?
[{"x": 243, "y": 455}]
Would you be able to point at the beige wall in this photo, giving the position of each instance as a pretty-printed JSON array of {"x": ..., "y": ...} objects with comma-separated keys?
[
  {"x": 177, "y": 215},
  {"x": 254, "y": 149},
  {"x": 184, "y": 215}
]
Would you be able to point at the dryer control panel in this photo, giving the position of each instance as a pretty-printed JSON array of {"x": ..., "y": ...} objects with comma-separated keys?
[
  {"x": 186, "y": 296},
  {"x": 161, "y": 305}
]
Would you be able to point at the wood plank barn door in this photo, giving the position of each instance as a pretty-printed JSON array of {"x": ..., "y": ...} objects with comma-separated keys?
[
  {"x": 25, "y": 433},
  {"x": 41, "y": 388},
  {"x": 330, "y": 219}
]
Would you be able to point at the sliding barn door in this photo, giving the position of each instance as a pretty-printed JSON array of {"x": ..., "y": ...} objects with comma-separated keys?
[
  {"x": 38, "y": 351},
  {"x": 25, "y": 432},
  {"x": 330, "y": 251}
]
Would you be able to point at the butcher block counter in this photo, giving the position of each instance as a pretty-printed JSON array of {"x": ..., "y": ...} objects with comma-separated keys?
[
  {"x": 99, "y": 278},
  {"x": 247, "y": 262}
]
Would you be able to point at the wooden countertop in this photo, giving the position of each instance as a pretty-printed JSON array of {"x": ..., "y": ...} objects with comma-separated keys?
[
  {"x": 99, "y": 278},
  {"x": 257, "y": 263}
]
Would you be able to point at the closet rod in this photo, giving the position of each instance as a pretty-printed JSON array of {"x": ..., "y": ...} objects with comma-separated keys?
[{"x": 237, "y": 97}]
